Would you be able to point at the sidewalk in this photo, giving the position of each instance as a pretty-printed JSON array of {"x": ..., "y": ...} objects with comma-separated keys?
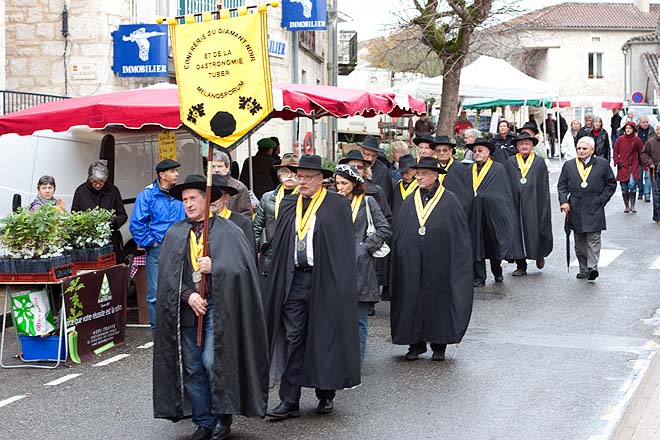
[{"x": 642, "y": 419}]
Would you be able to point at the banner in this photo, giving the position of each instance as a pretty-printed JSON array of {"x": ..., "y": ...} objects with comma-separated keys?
[{"x": 223, "y": 74}]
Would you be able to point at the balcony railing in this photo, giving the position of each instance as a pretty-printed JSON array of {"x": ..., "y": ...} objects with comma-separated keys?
[
  {"x": 347, "y": 52},
  {"x": 15, "y": 101}
]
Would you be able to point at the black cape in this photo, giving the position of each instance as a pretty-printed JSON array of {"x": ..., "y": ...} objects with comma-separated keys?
[
  {"x": 381, "y": 176},
  {"x": 431, "y": 277},
  {"x": 532, "y": 211},
  {"x": 240, "y": 374},
  {"x": 491, "y": 216},
  {"x": 397, "y": 198},
  {"x": 587, "y": 204},
  {"x": 457, "y": 181},
  {"x": 332, "y": 348},
  {"x": 246, "y": 226}
]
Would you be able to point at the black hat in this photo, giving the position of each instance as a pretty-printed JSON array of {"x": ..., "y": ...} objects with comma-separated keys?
[
  {"x": 222, "y": 182},
  {"x": 371, "y": 143},
  {"x": 354, "y": 155},
  {"x": 524, "y": 136},
  {"x": 167, "y": 164},
  {"x": 195, "y": 181},
  {"x": 424, "y": 138},
  {"x": 311, "y": 162},
  {"x": 429, "y": 163},
  {"x": 406, "y": 161},
  {"x": 349, "y": 172},
  {"x": 483, "y": 142},
  {"x": 442, "y": 140},
  {"x": 530, "y": 125}
]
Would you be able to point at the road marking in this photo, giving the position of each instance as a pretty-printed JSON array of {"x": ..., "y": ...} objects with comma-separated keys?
[
  {"x": 147, "y": 345},
  {"x": 606, "y": 257},
  {"x": 62, "y": 379},
  {"x": 655, "y": 264},
  {"x": 111, "y": 360},
  {"x": 11, "y": 400}
]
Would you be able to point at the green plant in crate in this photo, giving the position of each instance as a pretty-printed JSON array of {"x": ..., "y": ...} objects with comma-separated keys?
[
  {"x": 38, "y": 234},
  {"x": 90, "y": 228}
]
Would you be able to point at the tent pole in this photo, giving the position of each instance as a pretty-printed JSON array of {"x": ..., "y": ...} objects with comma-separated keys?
[
  {"x": 250, "y": 163},
  {"x": 313, "y": 132},
  {"x": 558, "y": 137},
  {"x": 545, "y": 123}
]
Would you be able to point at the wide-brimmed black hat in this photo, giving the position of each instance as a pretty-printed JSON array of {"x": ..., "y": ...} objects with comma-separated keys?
[
  {"x": 442, "y": 140},
  {"x": 483, "y": 142},
  {"x": 195, "y": 181},
  {"x": 311, "y": 162},
  {"x": 429, "y": 163},
  {"x": 406, "y": 161},
  {"x": 222, "y": 182},
  {"x": 530, "y": 125},
  {"x": 167, "y": 164},
  {"x": 354, "y": 155},
  {"x": 524, "y": 136},
  {"x": 424, "y": 138},
  {"x": 371, "y": 143}
]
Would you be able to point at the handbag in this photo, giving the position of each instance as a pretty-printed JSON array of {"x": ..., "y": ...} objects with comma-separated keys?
[{"x": 384, "y": 249}]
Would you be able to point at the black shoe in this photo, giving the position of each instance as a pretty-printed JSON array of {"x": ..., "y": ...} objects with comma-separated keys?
[
  {"x": 582, "y": 276},
  {"x": 414, "y": 352},
  {"x": 478, "y": 283},
  {"x": 284, "y": 410},
  {"x": 325, "y": 406},
  {"x": 500, "y": 279},
  {"x": 438, "y": 355},
  {"x": 647, "y": 198},
  {"x": 372, "y": 310},
  {"x": 639, "y": 196},
  {"x": 201, "y": 434},
  {"x": 593, "y": 274},
  {"x": 221, "y": 432}
]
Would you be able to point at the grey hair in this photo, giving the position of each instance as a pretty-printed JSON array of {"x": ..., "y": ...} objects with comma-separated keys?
[
  {"x": 97, "y": 171},
  {"x": 472, "y": 132},
  {"x": 587, "y": 140},
  {"x": 588, "y": 115},
  {"x": 597, "y": 118},
  {"x": 643, "y": 118},
  {"x": 400, "y": 146},
  {"x": 221, "y": 156},
  {"x": 46, "y": 180}
]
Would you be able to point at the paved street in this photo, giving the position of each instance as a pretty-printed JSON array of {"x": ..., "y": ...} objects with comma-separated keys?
[{"x": 546, "y": 356}]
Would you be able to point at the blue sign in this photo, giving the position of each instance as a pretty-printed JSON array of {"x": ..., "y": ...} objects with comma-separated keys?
[
  {"x": 140, "y": 50},
  {"x": 304, "y": 15},
  {"x": 277, "y": 48}
]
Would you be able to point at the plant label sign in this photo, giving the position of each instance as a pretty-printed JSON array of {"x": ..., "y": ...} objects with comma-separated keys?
[{"x": 96, "y": 311}]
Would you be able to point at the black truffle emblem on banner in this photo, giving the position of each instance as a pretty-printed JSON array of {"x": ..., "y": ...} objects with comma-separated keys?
[
  {"x": 248, "y": 103},
  {"x": 223, "y": 124},
  {"x": 195, "y": 112}
]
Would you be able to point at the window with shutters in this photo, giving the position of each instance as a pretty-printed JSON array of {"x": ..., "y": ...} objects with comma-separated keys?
[
  {"x": 197, "y": 6},
  {"x": 595, "y": 65}
]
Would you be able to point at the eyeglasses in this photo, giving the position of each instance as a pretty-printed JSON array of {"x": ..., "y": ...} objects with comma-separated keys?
[
  {"x": 582, "y": 148},
  {"x": 307, "y": 178}
]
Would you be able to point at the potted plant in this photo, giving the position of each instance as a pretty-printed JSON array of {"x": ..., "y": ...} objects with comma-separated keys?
[{"x": 90, "y": 233}]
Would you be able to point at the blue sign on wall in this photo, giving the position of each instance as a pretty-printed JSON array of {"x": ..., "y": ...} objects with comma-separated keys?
[
  {"x": 304, "y": 15},
  {"x": 140, "y": 50}
]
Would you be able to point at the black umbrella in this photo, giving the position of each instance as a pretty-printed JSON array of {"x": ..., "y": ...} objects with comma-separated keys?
[{"x": 567, "y": 230}]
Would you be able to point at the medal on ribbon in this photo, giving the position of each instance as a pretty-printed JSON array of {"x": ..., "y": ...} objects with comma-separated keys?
[
  {"x": 424, "y": 212},
  {"x": 524, "y": 166}
]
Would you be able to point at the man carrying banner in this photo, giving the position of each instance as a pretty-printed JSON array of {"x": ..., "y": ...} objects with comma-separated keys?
[
  {"x": 311, "y": 298},
  {"x": 228, "y": 374}
]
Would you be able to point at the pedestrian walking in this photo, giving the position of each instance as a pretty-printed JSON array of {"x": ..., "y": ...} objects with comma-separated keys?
[
  {"x": 407, "y": 185},
  {"x": 585, "y": 186},
  {"x": 503, "y": 142},
  {"x": 311, "y": 298},
  {"x": 532, "y": 215},
  {"x": 455, "y": 176},
  {"x": 627, "y": 158},
  {"x": 651, "y": 158},
  {"x": 601, "y": 138},
  {"x": 228, "y": 374},
  {"x": 490, "y": 219},
  {"x": 645, "y": 132},
  {"x": 380, "y": 173},
  {"x": 431, "y": 290},
  {"x": 615, "y": 123},
  {"x": 263, "y": 176},
  {"x": 155, "y": 210},
  {"x": 584, "y": 131},
  {"x": 568, "y": 142},
  {"x": 370, "y": 231}
]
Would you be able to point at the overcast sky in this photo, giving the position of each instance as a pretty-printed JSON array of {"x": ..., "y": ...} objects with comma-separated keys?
[{"x": 373, "y": 18}]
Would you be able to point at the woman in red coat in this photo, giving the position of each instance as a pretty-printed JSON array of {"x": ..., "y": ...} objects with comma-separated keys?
[{"x": 627, "y": 151}]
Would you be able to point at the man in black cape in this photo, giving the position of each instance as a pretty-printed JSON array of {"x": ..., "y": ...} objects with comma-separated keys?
[
  {"x": 431, "y": 281},
  {"x": 223, "y": 211},
  {"x": 456, "y": 174},
  {"x": 370, "y": 147},
  {"x": 407, "y": 185},
  {"x": 532, "y": 215},
  {"x": 228, "y": 374},
  {"x": 311, "y": 298},
  {"x": 491, "y": 218}
]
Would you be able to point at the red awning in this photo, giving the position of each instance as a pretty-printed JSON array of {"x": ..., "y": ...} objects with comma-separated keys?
[
  {"x": 159, "y": 105},
  {"x": 562, "y": 104},
  {"x": 611, "y": 105}
]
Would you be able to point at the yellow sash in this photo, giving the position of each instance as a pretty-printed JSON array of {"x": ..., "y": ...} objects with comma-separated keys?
[
  {"x": 197, "y": 246},
  {"x": 524, "y": 166},
  {"x": 355, "y": 205},
  {"x": 406, "y": 192},
  {"x": 225, "y": 213},
  {"x": 304, "y": 222},
  {"x": 279, "y": 197},
  {"x": 477, "y": 178},
  {"x": 582, "y": 170},
  {"x": 423, "y": 212}
]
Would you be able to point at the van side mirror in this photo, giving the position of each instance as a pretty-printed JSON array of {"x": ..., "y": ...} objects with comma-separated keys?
[{"x": 16, "y": 202}]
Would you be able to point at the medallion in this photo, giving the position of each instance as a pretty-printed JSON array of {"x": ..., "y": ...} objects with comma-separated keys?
[
  {"x": 196, "y": 277},
  {"x": 584, "y": 184},
  {"x": 422, "y": 231},
  {"x": 523, "y": 180},
  {"x": 300, "y": 246}
]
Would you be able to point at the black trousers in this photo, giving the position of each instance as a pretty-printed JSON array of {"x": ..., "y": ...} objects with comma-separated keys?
[
  {"x": 480, "y": 269},
  {"x": 295, "y": 313}
]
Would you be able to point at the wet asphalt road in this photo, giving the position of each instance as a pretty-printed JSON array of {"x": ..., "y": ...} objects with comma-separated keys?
[{"x": 546, "y": 356}]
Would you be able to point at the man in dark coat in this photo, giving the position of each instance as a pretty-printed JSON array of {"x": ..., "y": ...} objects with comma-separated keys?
[
  {"x": 455, "y": 178},
  {"x": 490, "y": 220},
  {"x": 228, "y": 373},
  {"x": 585, "y": 186},
  {"x": 263, "y": 176},
  {"x": 370, "y": 148},
  {"x": 431, "y": 290},
  {"x": 407, "y": 185},
  {"x": 532, "y": 215},
  {"x": 221, "y": 208},
  {"x": 311, "y": 299},
  {"x": 98, "y": 191}
]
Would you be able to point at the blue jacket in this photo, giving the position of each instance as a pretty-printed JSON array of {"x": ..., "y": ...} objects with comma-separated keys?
[{"x": 153, "y": 214}]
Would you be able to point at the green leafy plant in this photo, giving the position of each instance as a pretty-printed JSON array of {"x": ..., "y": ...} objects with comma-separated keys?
[
  {"x": 76, "y": 310},
  {"x": 38, "y": 234},
  {"x": 89, "y": 229}
]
